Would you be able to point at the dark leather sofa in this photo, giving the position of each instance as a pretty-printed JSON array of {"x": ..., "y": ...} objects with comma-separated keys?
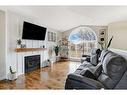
[{"x": 109, "y": 73}]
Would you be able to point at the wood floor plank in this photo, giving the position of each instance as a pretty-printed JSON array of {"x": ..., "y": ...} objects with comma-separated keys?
[{"x": 45, "y": 78}]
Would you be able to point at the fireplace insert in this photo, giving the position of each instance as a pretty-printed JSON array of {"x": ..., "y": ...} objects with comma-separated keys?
[{"x": 32, "y": 63}]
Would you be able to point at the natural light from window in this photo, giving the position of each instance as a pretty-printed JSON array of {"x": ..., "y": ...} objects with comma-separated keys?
[{"x": 81, "y": 41}]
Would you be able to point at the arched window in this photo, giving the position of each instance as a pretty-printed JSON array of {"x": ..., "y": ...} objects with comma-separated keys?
[{"x": 82, "y": 40}]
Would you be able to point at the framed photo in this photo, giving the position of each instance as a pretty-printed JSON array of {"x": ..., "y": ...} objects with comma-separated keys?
[{"x": 102, "y": 34}]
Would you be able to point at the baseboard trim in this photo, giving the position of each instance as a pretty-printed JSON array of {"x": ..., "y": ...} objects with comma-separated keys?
[{"x": 3, "y": 77}]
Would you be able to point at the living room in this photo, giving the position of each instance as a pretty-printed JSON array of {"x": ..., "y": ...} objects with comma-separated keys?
[{"x": 43, "y": 46}]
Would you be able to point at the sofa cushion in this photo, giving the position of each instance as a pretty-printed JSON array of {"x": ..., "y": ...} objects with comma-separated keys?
[
  {"x": 78, "y": 81},
  {"x": 93, "y": 59},
  {"x": 89, "y": 74},
  {"x": 84, "y": 71},
  {"x": 114, "y": 67},
  {"x": 98, "y": 70},
  {"x": 123, "y": 82},
  {"x": 106, "y": 81},
  {"x": 103, "y": 54},
  {"x": 85, "y": 64},
  {"x": 95, "y": 53},
  {"x": 95, "y": 70},
  {"x": 114, "y": 64}
]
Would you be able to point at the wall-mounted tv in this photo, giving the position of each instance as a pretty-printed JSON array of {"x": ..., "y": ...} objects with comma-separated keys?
[{"x": 33, "y": 32}]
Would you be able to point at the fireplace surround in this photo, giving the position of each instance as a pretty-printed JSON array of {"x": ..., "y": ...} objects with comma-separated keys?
[{"x": 32, "y": 63}]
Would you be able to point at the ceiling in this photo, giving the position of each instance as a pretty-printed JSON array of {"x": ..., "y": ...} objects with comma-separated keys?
[{"x": 66, "y": 17}]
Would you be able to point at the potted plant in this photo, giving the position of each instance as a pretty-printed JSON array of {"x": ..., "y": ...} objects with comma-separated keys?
[
  {"x": 109, "y": 43},
  {"x": 12, "y": 74},
  {"x": 19, "y": 43},
  {"x": 57, "y": 49}
]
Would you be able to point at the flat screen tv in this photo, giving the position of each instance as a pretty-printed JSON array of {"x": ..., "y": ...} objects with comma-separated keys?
[{"x": 33, "y": 32}]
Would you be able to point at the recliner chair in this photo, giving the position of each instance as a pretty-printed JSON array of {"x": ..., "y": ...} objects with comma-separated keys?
[{"x": 112, "y": 76}]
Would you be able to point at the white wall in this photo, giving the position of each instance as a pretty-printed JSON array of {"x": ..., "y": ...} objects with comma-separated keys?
[
  {"x": 119, "y": 32},
  {"x": 14, "y": 32},
  {"x": 2, "y": 46}
]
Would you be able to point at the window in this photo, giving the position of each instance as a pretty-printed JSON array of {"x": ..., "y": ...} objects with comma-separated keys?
[{"x": 82, "y": 40}]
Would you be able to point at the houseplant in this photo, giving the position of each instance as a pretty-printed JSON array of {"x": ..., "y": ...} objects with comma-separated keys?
[
  {"x": 12, "y": 74},
  {"x": 57, "y": 49},
  {"x": 109, "y": 43},
  {"x": 19, "y": 42}
]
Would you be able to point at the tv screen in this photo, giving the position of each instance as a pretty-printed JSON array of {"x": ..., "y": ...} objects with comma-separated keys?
[{"x": 33, "y": 32}]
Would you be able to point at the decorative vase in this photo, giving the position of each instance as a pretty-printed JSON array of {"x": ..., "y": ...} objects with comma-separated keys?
[
  {"x": 18, "y": 46},
  {"x": 12, "y": 76}
]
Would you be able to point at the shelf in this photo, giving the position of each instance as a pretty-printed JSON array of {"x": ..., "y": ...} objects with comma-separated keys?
[{"x": 29, "y": 49}]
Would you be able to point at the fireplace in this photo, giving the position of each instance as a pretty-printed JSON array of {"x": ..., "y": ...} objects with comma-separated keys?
[{"x": 32, "y": 63}]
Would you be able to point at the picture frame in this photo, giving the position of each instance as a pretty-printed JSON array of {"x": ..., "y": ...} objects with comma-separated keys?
[{"x": 102, "y": 34}]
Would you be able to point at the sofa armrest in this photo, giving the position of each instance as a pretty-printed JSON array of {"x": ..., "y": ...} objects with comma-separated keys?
[
  {"x": 85, "y": 55},
  {"x": 98, "y": 70},
  {"x": 91, "y": 82},
  {"x": 87, "y": 59}
]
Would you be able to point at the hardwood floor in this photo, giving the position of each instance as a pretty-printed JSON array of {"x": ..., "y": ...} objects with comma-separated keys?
[{"x": 45, "y": 78}]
